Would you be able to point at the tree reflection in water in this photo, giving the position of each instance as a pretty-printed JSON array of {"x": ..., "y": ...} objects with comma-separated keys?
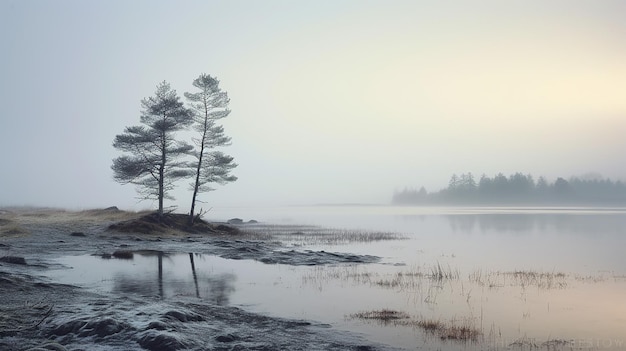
[
  {"x": 220, "y": 288},
  {"x": 214, "y": 287}
]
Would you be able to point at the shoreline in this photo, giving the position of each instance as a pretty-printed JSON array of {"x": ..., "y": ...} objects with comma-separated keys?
[{"x": 70, "y": 317}]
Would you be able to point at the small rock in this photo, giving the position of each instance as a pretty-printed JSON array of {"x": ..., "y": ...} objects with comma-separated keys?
[
  {"x": 235, "y": 221},
  {"x": 161, "y": 342},
  {"x": 226, "y": 338}
]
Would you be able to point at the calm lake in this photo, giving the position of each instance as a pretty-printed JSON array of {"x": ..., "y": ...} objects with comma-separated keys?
[{"x": 546, "y": 278}]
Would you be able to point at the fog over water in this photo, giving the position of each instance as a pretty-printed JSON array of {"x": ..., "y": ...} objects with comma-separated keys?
[{"x": 332, "y": 102}]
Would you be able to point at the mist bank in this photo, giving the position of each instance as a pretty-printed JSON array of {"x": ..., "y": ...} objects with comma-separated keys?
[{"x": 518, "y": 189}]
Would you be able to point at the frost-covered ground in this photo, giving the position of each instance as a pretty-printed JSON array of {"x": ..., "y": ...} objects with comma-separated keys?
[{"x": 37, "y": 313}]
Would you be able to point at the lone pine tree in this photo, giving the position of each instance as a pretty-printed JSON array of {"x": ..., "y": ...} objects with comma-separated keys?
[
  {"x": 154, "y": 159},
  {"x": 209, "y": 104}
]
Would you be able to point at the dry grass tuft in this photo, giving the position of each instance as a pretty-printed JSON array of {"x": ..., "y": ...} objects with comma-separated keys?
[
  {"x": 440, "y": 273},
  {"x": 524, "y": 342},
  {"x": 542, "y": 280},
  {"x": 12, "y": 230},
  {"x": 383, "y": 316},
  {"x": 9, "y": 227},
  {"x": 451, "y": 330},
  {"x": 556, "y": 343},
  {"x": 463, "y": 331},
  {"x": 521, "y": 278},
  {"x": 298, "y": 235},
  {"x": 47, "y": 216}
]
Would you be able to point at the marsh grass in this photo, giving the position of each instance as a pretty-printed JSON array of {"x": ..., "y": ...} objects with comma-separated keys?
[
  {"x": 439, "y": 273},
  {"x": 297, "y": 235},
  {"x": 557, "y": 343},
  {"x": 462, "y": 331},
  {"x": 9, "y": 226},
  {"x": 524, "y": 342},
  {"x": 360, "y": 275},
  {"x": 384, "y": 316},
  {"x": 413, "y": 280},
  {"x": 429, "y": 281},
  {"x": 519, "y": 278},
  {"x": 320, "y": 275},
  {"x": 542, "y": 280},
  {"x": 590, "y": 278},
  {"x": 420, "y": 280},
  {"x": 402, "y": 280},
  {"x": 21, "y": 220},
  {"x": 551, "y": 344},
  {"x": 600, "y": 277},
  {"x": 12, "y": 230}
]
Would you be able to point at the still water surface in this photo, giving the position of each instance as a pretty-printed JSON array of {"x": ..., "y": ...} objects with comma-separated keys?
[{"x": 522, "y": 276}]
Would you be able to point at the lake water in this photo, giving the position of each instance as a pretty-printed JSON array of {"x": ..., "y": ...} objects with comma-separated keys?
[{"x": 523, "y": 277}]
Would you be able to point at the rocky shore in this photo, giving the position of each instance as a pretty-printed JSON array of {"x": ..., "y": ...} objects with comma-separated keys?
[{"x": 39, "y": 314}]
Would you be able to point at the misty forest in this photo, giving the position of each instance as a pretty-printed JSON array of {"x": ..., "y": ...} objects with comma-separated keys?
[{"x": 518, "y": 189}]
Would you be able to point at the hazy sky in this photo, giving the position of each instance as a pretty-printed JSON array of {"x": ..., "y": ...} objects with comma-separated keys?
[{"x": 332, "y": 101}]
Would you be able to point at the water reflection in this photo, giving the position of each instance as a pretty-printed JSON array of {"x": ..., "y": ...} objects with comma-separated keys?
[
  {"x": 220, "y": 288},
  {"x": 609, "y": 223},
  {"x": 579, "y": 240},
  {"x": 171, "y": 277},
  {"x": 195, "y": 275},
  {"x": 522, "y": 275}
]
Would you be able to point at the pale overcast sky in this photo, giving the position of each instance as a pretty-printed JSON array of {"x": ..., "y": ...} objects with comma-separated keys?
[{"x": 332, "y": 101}]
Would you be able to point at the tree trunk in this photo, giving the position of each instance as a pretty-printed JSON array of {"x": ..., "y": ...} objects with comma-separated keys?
[
  {"x": 195, "y": 192},
  {"x": 195, "y": 276},
  {"x": 161, "y": 192},
  {"x": 162, "y": 174},
  {"x": 197, "y": 184}
]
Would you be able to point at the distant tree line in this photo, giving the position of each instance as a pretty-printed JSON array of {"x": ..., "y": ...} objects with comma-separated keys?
[{"x": 518, "y": 189}]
